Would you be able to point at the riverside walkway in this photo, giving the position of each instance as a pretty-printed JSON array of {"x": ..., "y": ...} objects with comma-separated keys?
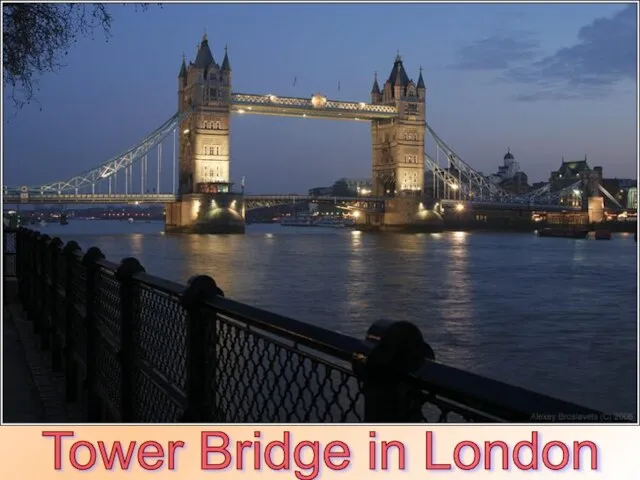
[
  {"x": 21, "y": 402},
  {"x": 107, "y": 342}
]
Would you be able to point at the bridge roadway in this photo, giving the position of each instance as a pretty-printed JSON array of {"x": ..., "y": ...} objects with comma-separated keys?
[{"x": 258, "y": 201}]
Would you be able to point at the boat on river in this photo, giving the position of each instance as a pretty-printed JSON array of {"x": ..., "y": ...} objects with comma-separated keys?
[
  {"x": 563, "y": 233},
  {"x": 603, "y": 235},
  {"x": 334, "y": 222},
  {"x": 298, "y": 220}
]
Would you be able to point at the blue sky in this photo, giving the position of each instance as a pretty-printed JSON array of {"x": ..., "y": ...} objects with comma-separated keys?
[{"x": 549, "y": 81}]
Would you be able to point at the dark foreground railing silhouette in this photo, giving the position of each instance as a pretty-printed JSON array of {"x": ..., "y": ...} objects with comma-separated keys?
[{"x": 137, "y": 348}]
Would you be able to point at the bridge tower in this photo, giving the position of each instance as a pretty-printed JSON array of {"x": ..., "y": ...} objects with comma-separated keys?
[
  {"x": 206, "y": 203},
  {"x": 398, "y": 143},
  {"x": 205, "y": 87},
  {"x": 398, "y": 154}
]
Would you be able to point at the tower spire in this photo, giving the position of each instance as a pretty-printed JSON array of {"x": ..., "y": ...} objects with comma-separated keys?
[
  {"x": 226, "y": 65},
  {"x": 183, "y": 68},
  {"x": 376, "y": 87},
  {"x": 420, "y": 80}
]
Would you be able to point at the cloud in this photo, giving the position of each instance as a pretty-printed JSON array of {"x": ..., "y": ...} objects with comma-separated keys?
[
  {"x": 496, "y": 53},
  {"x": 603, "y": 56}
]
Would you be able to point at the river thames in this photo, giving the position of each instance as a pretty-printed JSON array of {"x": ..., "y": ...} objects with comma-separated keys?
[{"x": 555, "y": 315}]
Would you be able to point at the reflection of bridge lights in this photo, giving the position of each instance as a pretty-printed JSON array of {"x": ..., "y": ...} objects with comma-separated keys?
[
  {"x": 214, "y": 204},
  {"x": 459, "y": 207}
]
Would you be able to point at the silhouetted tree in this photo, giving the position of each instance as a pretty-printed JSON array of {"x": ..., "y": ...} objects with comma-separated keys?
[{"x": 36, "y": 36}]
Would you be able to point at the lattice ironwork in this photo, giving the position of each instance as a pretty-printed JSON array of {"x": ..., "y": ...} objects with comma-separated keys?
[
  {"x": 160, "y": 334},
  {"x": 108, "y": 307},
  {"x": 9, "y": 253},
  {"x": 260, "y": 378},
  {"x": 151, "y": 402}
]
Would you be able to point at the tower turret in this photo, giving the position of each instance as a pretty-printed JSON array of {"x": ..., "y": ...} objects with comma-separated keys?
[
  {"x": 226, "y": 65},
  {"x": 376, "y": 95},
  {"x": 422, "y": 90}
]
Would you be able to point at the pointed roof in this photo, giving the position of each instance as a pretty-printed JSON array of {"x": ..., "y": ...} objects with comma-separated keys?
[
  {"x": 398, "y": 76},
  {"x": 420, "y": 80},
  {"x": 183, "y": 68},
  {"x": 376, "y": 87},
  {"x": 225, "y": 63},
  {"x": 204, "y": 57}
]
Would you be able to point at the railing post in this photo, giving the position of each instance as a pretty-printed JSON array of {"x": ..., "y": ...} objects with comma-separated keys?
[
  {"x": 30, "y": 275},
  {"x": 201, "y": 384},
  {"x": 129, "y": 298},
  {"x": 23, "y": 251},
  {"x": 54, "y": 250},
  {"x": 41, "y": 288},
  {"x": 70, "y": 255},
  {"x": 391, "y": 351},
  {"x": 92, "y": 269}
]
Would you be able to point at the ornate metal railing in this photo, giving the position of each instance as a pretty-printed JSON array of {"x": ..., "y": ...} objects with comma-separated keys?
[
  {"x": 137, "y": 348},
  {"x": 9, "y": 237}
]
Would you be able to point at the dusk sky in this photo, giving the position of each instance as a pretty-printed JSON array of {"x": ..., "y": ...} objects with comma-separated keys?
[{"x": 548, "y": 81}]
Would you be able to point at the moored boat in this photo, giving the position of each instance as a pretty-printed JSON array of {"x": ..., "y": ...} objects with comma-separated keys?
[
  {"x": 603, "y": 235},
  {"x": 334, "y": 222},
  {"x": 563, "y": 233},
  {"x": 299, "y": 220}
]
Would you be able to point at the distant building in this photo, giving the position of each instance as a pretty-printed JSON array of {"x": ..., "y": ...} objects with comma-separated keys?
[
  {"x": 632, "y": 198},
  {"x": 576, "y": 171},
  {"x": 320, "y": 192},
  {"x": 624, "y": 190},
  {"x": 509, "y": 177},
  {"x": 360, "y": 186}
]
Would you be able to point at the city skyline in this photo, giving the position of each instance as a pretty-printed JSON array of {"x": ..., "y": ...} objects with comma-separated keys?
[{"x": 546, "y": 81}]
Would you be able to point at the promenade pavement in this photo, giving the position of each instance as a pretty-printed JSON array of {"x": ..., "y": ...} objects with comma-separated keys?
[
  {"x": 32, "y": 392},
  {"x": 20, "y": 397}
]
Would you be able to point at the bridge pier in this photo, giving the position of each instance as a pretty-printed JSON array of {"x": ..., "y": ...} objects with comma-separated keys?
[
  {"x": 404, "y": 214},
  {"x": 212, "y": 213}
]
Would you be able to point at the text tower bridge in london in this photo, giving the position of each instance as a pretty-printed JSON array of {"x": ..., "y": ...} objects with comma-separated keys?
[{"x": 202, "y": 200}]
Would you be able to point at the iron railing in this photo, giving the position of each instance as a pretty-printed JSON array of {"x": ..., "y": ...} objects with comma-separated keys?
[
  {"x": 137, "y": 348},
  {"x": 9, "y": 236}
]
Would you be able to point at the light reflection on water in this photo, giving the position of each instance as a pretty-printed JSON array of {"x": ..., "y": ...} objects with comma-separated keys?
[{"x": 554, "y": 315}]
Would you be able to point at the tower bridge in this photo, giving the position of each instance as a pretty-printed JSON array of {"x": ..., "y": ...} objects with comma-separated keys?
[{"x": 201, "y": 197}]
